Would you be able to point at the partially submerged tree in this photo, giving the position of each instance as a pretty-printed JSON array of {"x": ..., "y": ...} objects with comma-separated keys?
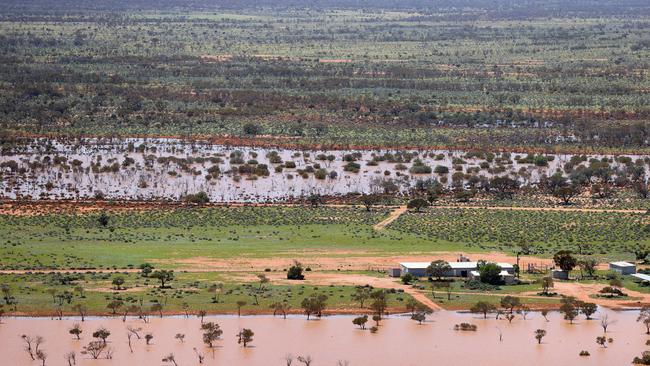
[
  {"x": 76, "y": 330},
  {"x": 314, "y": 304},
  {"x": 483, "y": 307},
  {"x": 211, "y": 333},
  {"x": 245, "y": 336},
  {"x": 539, "y": 334},
  {"x": 360, "y": 321}
]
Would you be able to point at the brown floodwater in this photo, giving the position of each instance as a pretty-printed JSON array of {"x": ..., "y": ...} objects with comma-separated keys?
[{"x": 399, "y": 341}]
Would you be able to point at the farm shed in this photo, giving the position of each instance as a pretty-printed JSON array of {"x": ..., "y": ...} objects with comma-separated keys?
[
  {"x": 624, "y": 268},
  {"x": 417, "y": 269},
  {"x": 642, "y": 277},
  {"x": 458, "y": 269},
  {"x": 394, "y": 272}
]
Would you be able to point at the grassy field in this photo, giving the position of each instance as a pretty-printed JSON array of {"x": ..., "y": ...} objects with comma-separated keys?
[
  {"x": 39, "y": 294},
  {"x": 606, "y": 234},
  {"x": 225, "y": 238},
  {"x": 167, "y": 236}
]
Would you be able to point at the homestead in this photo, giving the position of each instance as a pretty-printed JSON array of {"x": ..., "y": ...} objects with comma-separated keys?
[{"x": 457, "y": 269}]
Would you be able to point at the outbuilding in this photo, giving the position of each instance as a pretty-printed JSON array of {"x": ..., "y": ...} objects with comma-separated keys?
[
  {"x": 394, "y": 272},
  {"x": 643, "y": 278},
  {"x": 417, "y": 269},
  {"x": 624, "y": 268}
]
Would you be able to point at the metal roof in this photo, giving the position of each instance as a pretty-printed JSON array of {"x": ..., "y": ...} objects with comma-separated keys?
[
  {"x": 415, "y": 265},
  {"x": 463, "y": 265},
  {"x": 641, "y": 276},
  {"x": 453, "y": 265}
]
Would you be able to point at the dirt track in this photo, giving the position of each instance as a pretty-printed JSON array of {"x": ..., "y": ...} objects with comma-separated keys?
[
  {"x": 26, "y": 208},
  {"x": 392, "y": 217}
]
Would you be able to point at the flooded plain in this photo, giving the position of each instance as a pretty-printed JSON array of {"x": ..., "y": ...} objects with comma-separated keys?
[
  {"x": 168, "y": 169},
  {"x": 399, "y": 341}
]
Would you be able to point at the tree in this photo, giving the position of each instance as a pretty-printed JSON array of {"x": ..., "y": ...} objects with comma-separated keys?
[
  {"x": 588, "y": 309},
  {"x": 42, "y": 356},
  {"x": 505, "y": 186},
  {"x": 295, "y": 272},
  {"x": 417, "y": 204},
  {"x": 376, "y": 318},
  {"x": 360, "y": 321},
  {"x": 411, "y": 305},
  {"x": 510, "y": 303},
  {"x": 644, "y": 317},
  {"x": 211, "y": 332},
  {"x": 360, "y": 295},
  {"x": 544, "y": 313},
  {"x": 71, "y": 358},
  {"x": 147, "y": 338},
  {"x": 263, "y": 280},
  {"x": 82, "y": 310},
  {"x": 94, "y": 349},
  {"x": 114, "y": 305},
  {"x": 539, "y": 334},
  {"x": 252, "y": 129},
  {"x": 240, "y": 304},
  {"x": 567, "y": 193},
  {"x": 307, "y": 360},
  {"x": 170, "y": 358},
  {"x": 408, "y": 278},
  {"x": 314, "y": 304},
  {"x": 438, "y": 268},
  {"x": 199, "y": 355},
  {"x": 640, "y": 254},
  {"x": 280, "y": 307},
  {"x": 146, "y": 269},
  {"x": 76, "y": 330},
  {"x": 118, "y": 282},
  {"x": 602, "y": 341},
  {"x": 483, "y": 307},
  {"x": 369, "y": 200},
  {"x": 157, "y": 307},
  {"x": 180, "y": 337},
  {"x": 605, "y": 322},
  {"x": 565, "y": 260},
  {"x": 314, "y": 200},
  {"x": 547, "y": 283},
  {"x": 490, "y": 273},
  {"x": 569, "y": 308},
  {"x": 245, "y": 336},
  {"x": 419, "y": 317},
  {"x": 201, "y": 314},
  {"x": 379, "y": 302},
  {"x": 102, "y": 333},
  {"x": 32, "y": 344},
  {"x": 199, "y": 198},
  {"x": 163, "y": 276},
  {"x": 589, "y": 266}
]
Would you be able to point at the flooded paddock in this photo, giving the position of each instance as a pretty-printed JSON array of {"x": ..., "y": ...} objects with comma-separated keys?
[
  {"x": 399, "y": 341},
  {"x": 145, "y": 169}
]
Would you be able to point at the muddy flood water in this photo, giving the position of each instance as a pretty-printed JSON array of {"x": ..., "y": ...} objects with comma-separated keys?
[{"x": 399, "y": 341}]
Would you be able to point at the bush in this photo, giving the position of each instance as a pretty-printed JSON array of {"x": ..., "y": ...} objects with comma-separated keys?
[{"x": 295, "y": 272}]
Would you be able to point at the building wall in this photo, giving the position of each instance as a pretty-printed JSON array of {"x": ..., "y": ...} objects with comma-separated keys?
[{"x": 628, "y": 270}]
